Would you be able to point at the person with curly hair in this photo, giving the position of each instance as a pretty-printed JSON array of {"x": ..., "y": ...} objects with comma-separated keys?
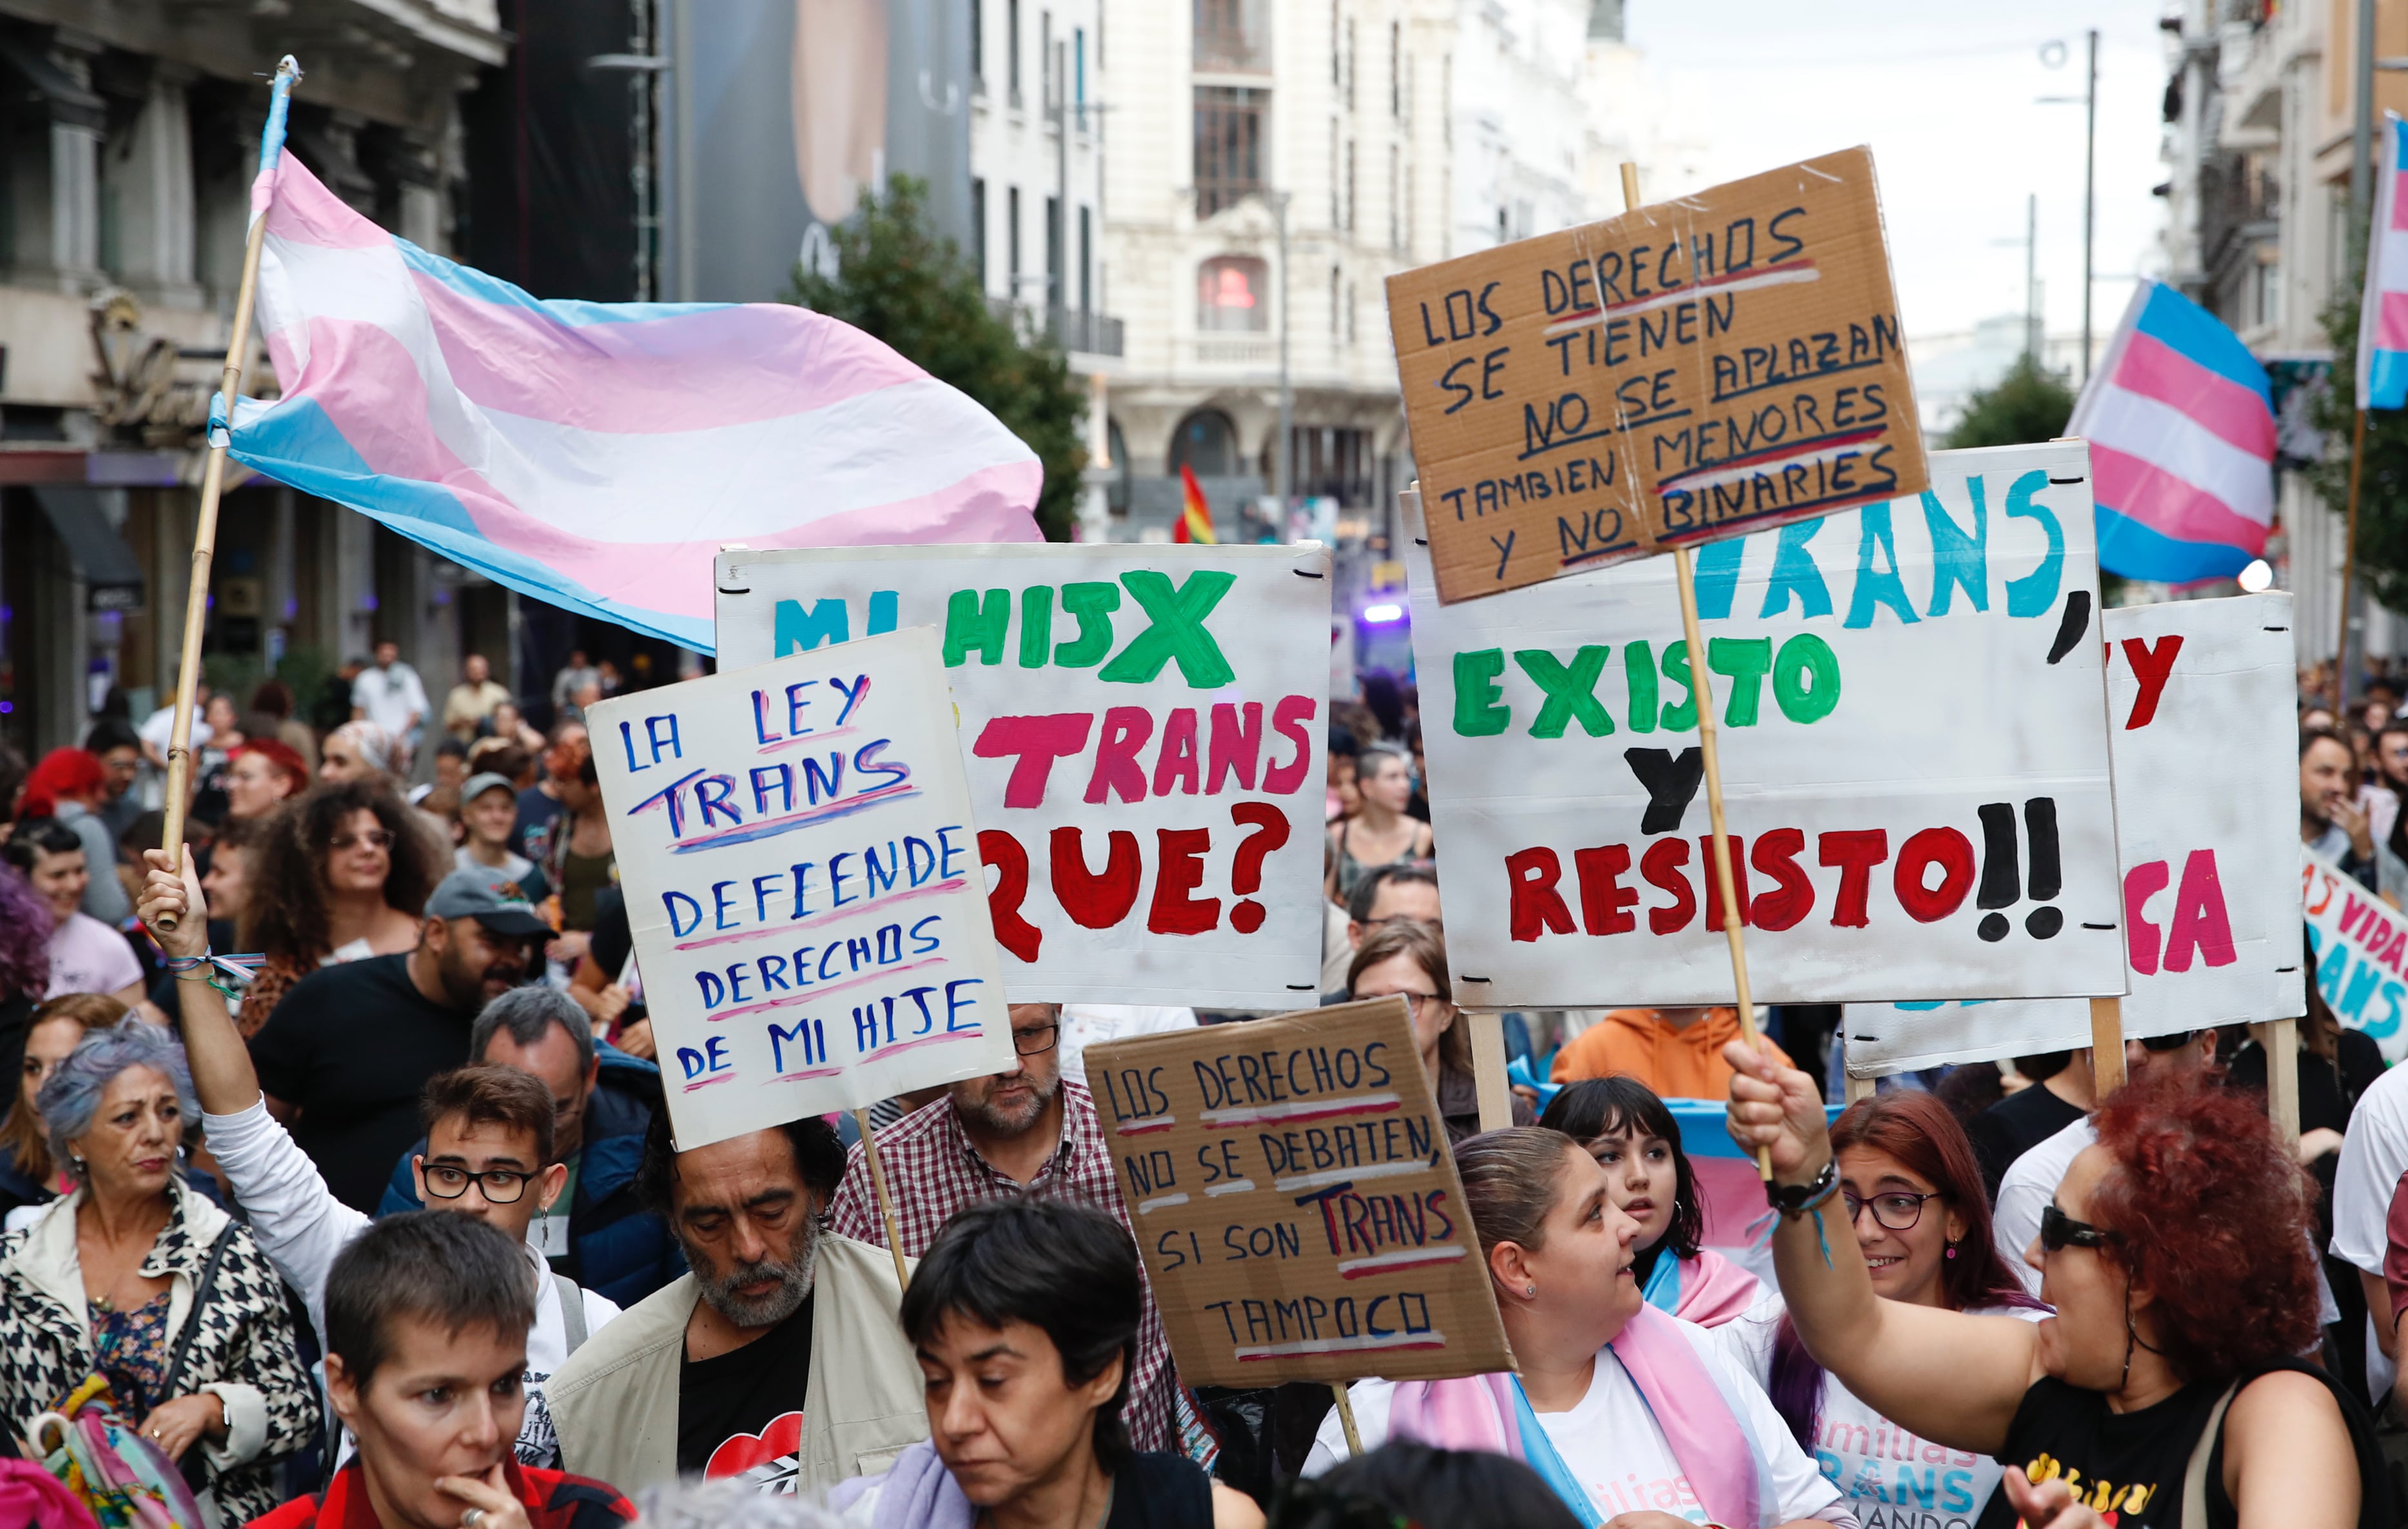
[
  {"x": 2175, "y": 1253},
  {"x": 1633, "y": 1137},
  {"x": 343, "y": 875}
]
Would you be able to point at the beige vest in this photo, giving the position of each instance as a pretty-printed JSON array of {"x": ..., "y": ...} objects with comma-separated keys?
[{"x": 615, "y": 1402}]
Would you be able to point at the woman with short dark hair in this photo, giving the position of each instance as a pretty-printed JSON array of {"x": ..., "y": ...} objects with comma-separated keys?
[
  {"x": 2176, "y": 1255},
  {"x": 1024, "y": 1316}
]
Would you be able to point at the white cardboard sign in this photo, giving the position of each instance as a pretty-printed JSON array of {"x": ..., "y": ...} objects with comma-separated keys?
[
  {"x": 1913, "y": 757},
  {"x": 1144, "y": 729},
  {"x": 801, "y": 870},
  {"x": 2199, "y": 706}
]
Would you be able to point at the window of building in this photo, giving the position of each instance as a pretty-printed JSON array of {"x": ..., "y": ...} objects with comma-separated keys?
[
  {"x": 1206, "y": 441},
  {"x": 1396, "y": 70},
  {"x": 1054, "y": 293},
  {"x": 1047, "y": 87},
  {"x": 1232, "y": 294},
  {"x": 1350, "y": 62},
  {"x": 1233, "y": 36},
  {"x": 1011, "y": 48},
  {"x": 1078, "y": 73},
  {"x": 1012, "y": 243},
  {"x": 978, "y": 46},
  {"x": 1228, "y": 145},
  {"x": 1086, "y": 261},
  {"x": 978, "y": 228},
  {"x": 1335, "y": 306},
  {"x": 1350, "y": 185},
  {"x": 1337, "y": 69},
  {"x": 1396, "y": 206}
]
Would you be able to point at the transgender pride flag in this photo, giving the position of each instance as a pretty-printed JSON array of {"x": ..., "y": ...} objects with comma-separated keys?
[
  {"x": 2383, "y": 312},
  {"x": 597, "y": 454},
  {"x": 2181, "y": 426}
]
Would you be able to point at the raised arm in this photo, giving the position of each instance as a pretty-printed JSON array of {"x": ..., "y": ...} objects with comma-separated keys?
[
  {"x": 221, "y": 1062},
  {"x": 1954, "y": 1379}
]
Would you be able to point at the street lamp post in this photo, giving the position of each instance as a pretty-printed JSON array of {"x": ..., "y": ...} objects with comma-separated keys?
[{"x": 2089, "y": 101}]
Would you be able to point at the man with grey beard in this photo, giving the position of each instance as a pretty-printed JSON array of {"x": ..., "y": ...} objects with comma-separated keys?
[
  {"x": 1025, "y": 1131},
  {"x": 778, "y": 1358}
]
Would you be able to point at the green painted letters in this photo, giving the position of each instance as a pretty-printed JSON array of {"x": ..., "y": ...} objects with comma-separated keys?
[
  {"x": 1570, "y": 690},
  {"x": 1639, "y": 673},
  {"x": 1178, "y": 634},
  {"x": 1093, "y": 605},
  {"x": 1745, "y": 659},
  {"x": 972, "y": 625},
  {"x": 1480, "y": 709},
  {"x": 1806, "y": 679}
]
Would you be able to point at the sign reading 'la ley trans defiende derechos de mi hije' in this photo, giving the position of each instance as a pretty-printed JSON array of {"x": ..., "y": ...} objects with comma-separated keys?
[{"x": 1697, "y": 369}]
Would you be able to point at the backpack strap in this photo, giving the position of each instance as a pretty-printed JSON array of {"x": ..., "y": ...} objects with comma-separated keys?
[
  {"x": 572, "y": 1309},
  {"x": 2194, "y": 1502},
  {"x": 203, "y": 1289}
]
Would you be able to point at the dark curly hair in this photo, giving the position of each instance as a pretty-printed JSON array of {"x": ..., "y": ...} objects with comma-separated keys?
[
  {"x": 285, "y": 913},
  {"x": 1608, "y": 1106},
  {"x": 2211, "y": 1212}
]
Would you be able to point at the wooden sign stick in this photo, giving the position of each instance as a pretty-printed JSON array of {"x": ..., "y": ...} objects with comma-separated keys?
[
  {"x": 2106, "y": 1046},
  {"x": 1346, "y": 1416},
  {"x": 1702, "y": 693},
  {"x": 877, "y": 1187},
  {"x": 205, "y": 531},
  {"x": 2280, "y": 1040}
]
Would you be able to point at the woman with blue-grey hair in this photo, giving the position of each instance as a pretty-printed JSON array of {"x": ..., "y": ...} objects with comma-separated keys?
[{"x": 138, "y": 1280}]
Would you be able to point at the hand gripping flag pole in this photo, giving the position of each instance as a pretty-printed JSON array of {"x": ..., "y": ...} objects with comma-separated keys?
[{"x": 205, "y": 534}]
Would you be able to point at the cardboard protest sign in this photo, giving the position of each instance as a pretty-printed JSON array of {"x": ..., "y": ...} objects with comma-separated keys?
[
  {"x": 1143, "y": 732},
  {"x": 1913, "y": 759},
  {"x": 2360, "y": 945},
  {"x": 2200, "y": 707},
  {"x": 801, "y": 871},
  {"x": 1294, "y": 1200},
  {"x": 1687, "y": 371}
]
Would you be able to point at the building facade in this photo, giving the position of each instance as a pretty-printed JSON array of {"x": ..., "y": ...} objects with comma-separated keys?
[{"x": 128, "y": 144}]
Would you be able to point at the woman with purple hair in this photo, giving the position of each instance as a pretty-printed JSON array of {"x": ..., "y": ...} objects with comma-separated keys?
[
  {"x": 25, "y": 963},
  {"x": 1912, "y": 1191}
]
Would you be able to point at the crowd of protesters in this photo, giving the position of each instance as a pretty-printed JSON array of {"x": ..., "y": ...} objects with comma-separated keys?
[{"x": 392, "y": 1230}]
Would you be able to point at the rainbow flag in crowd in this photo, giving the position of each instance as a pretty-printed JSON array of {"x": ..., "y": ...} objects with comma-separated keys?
[
  {"x": 2383, "y": 311},
  {"x": 2181, "y": 426},
  {"x": 597, "y": 454},
  {"x": 1195, "y": 523}
]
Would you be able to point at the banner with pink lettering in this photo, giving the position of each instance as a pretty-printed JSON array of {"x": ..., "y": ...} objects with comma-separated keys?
[
  {"x": 2200, "y": 708},
  {"x": 2361, "y": 949},
  {"x": 1144, "y": 728}
]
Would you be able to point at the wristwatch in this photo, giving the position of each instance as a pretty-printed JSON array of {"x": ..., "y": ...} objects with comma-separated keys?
[{"x": 1794, "y": 1200}]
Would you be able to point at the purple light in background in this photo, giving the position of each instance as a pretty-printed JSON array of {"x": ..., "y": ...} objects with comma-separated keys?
[{"x": 1383, "y": 614}]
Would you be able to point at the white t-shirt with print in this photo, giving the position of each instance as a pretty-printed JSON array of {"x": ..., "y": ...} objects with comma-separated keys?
[
  {"x": 1614, "y": 1447},
  {"x": 1890, "y": 1478},
  {"x": 2373, "y": 1154},
  {"x": 88, "y": 957}
]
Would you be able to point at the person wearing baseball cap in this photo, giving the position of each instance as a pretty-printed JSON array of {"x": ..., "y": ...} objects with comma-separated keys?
[{"x": 489, "y": 810}]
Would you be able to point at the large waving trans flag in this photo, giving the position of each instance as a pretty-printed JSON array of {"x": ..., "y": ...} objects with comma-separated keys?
[
  {"x": 2383, "y": 310},
  {"x": 2181, "y": 426},
  {"x": 596, "y": 455}
]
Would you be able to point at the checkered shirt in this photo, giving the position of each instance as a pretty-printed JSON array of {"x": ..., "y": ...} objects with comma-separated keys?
[{"x": 933, "y": 1171}]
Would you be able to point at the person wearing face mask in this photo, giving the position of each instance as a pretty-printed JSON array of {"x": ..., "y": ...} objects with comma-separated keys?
[
  {"x": 137, "y": 1279},
  {"x": 1637, "y": 1419},
  {"x": 426, "y": 1340},
  {"x": 2165, "y": 1390},
  {"x": 1027, "y": 1130},
  {"x": 1910, "y": 1185},
  {"x": 1023, "y": 1316},
  {"x": 490, "y": 1152},
  {"x": 1379, "y": 832},
  {"x": 1636, "y": 1140}
]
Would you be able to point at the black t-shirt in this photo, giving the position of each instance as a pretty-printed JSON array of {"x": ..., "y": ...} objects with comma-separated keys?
[
  {"x": 2131, "y": 1464},
  {"x": 610, "y": 943},
  {"x": 742, "y": 1414},
  {"x": 538, "y": 811},
  {"x": 352, "y": 1046},
  {"x": 1160, "y": 1492},
  {"x": 2014, "y": 1126}
]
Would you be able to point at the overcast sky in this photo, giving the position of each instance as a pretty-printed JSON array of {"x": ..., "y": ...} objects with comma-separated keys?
[{"x": 1945, "y": 92}]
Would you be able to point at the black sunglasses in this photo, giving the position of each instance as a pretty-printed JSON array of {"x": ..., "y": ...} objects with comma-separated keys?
[{"x": 2058, "y": 1232}]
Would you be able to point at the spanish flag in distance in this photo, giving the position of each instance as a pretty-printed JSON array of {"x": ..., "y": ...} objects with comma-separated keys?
[{"x": 1195, "y": 523}]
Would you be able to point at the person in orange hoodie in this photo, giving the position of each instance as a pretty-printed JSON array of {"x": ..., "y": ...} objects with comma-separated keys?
[{"x": 1676, "y": 1052}]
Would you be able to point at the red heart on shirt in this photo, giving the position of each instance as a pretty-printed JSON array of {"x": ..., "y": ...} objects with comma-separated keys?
[{"x": 782, "y": 1441}]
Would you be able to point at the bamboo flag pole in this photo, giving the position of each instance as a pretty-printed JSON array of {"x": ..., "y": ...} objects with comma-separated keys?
[
  {"x": 877, "y": 1187},
  {"x": 205, "y": 531},
  {"x": 1346, "y": 1418},
  {"x": 1684, "y": 573},
  {"x": 2348, "y": 564}
]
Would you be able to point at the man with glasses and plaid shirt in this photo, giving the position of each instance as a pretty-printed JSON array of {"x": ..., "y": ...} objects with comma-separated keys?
[{"x": 1025, "y": 1131}]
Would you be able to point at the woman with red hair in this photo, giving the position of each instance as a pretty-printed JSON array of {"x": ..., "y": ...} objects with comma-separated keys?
[
  {"x": 71, "y": 785},
  {"x": 2165, "y": 1391},
  {"x": 1911, "y": 1189},
  {"x": 260, "y": 774}
]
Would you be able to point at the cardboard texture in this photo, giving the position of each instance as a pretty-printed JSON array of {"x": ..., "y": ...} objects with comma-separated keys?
[
  {"x": 1913, "y": 744},
  {"x": 801, "y": 870},
  {"x": 1687, "y": 371},
  {"x": 2360, "y": 945},
  {"x": 1143, "y": 729},
  {"x": 2199, "y": 709},
  {"x": 1294, "y": 1200}
]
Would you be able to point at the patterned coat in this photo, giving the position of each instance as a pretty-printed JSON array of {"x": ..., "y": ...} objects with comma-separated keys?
[{"x": 244, "y": 1351}]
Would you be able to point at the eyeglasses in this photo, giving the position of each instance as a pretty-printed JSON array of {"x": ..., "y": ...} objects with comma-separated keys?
[
  {"x": 1895, "y": 1209},
  {"x": 502, "y": 1185},
  {"x": 2058, "y": 1232},
  {"x": 374, "y": 839},
  {"x": 1036, "y": 1039},
  {"x": 1413, "y": 1001}
]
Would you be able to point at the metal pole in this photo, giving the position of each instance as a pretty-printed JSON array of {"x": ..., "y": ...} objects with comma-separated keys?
[
  {"x": 2031, "y": 277},
  {"x": 681, "y": 189},
  {"x": 1286, "y": 456},
  {"x": 2361, "y": 164},
  {"x": 2089, "y": 196}
]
